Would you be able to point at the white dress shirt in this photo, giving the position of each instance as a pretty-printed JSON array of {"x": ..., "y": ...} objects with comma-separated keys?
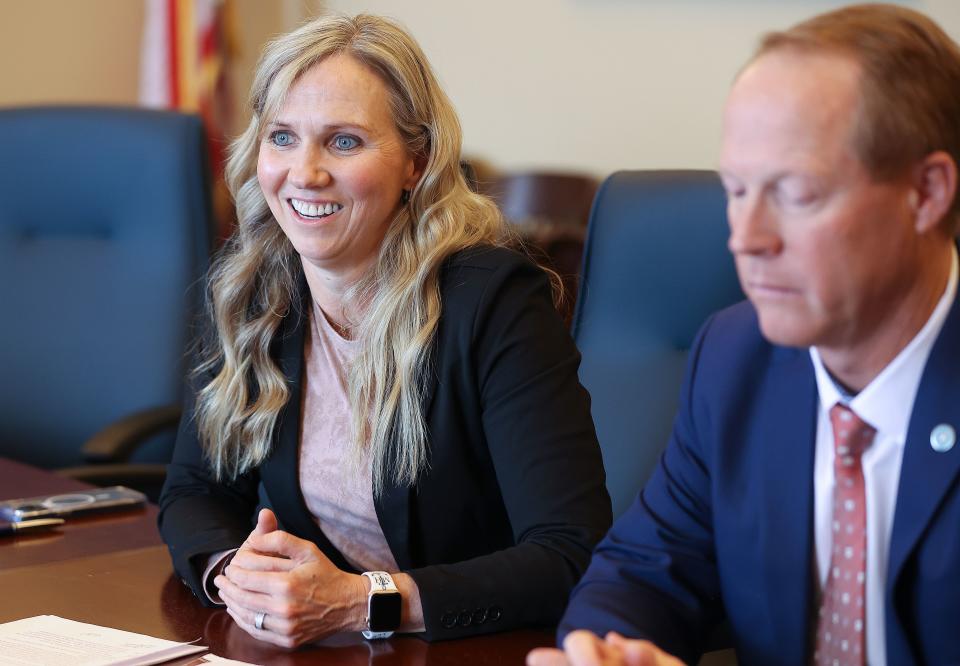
[{"x": 886, "y": 404}]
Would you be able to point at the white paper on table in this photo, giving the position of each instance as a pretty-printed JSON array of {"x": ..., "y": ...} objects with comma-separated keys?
[{"x": 55, "y": 641}]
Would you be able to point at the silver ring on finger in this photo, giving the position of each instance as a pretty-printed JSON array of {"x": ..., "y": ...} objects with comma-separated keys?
[{"x": 258, "y": 620}]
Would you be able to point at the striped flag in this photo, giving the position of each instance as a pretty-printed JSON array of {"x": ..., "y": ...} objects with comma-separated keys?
[{"x": 187, "y": 47}]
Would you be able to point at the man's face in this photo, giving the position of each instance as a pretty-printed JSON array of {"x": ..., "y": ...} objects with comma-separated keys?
[{"x": 825, "y": 253}]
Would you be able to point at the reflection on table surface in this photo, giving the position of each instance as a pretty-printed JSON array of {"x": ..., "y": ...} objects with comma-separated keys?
[
  {"x": 80, "y": 536},
  {"x": 112, "y": 571},
  {"x": 136, "y": 590}
]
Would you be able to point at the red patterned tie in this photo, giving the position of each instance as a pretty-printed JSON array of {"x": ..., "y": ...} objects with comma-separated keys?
[{"x": 841, "y": 627}]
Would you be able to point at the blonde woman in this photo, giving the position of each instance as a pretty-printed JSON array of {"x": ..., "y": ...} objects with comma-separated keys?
[{"x": 386, "y": 383}]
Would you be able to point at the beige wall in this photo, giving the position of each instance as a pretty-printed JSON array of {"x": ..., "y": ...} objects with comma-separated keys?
[
  {"x": 599, "y": 85},
  {"x": 55, "y": 51},
  {"x": 594, "y": 85},
  {"x": 88, "y": 51}
]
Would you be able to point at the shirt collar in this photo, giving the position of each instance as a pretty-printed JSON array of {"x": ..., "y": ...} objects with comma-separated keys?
[{"x": 887, "y": 402}]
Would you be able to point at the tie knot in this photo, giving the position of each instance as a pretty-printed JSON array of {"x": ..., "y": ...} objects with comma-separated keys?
[{"x": 851, "y": 435}]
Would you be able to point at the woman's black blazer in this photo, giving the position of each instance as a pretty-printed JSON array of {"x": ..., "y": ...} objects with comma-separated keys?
[{"x": 501, "y": 526}]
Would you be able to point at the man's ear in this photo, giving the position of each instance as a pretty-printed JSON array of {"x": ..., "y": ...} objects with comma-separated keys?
[{"x": 935, "y": 184}]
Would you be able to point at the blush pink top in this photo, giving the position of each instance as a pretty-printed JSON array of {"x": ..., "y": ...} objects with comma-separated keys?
[{"x": 338, "y": 492}]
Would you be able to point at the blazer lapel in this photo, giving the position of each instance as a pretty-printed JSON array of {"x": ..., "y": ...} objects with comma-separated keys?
[
  {"x": 926, "y": 475},
  {"x": 396, "y": 504},
  {"x": 788, "y": 442}
]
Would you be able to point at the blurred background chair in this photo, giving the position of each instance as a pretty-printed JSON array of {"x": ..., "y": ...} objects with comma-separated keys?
[
  {"x": 655, "y": 266},
  {"x": 549, "y": 211},
  {"x": 105, "y": 233}
]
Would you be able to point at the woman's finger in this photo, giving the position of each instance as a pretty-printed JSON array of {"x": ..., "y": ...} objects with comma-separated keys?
[
  {"x": 255, "y": 561},
  {"x": 266, "y": 522},
  {"x": 264, "y": 634},
  {"x": 271, "y": 623},
  {"x": 278, "y": 584},
  {"x": 234, "y": 595},
  {"x": 283, "y": 544}
]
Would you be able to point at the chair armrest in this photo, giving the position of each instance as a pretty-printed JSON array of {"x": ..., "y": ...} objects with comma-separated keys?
[
  {"x": 148, "y": 478},
  {"x": 134, "y": 475},
  {"x": 120, "y": 439}
]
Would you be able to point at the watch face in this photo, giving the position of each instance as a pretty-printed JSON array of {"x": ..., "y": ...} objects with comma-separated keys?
[{"x": 384, "y": 611}]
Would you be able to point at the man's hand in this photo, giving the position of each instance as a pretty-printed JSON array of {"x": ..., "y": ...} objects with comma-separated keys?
[
  {"x": 583, "y": 648},
  {"x": 305, "y": 597}
]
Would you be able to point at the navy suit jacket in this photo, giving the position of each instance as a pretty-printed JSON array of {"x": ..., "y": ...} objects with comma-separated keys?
[{"x": 724, "y": 527}]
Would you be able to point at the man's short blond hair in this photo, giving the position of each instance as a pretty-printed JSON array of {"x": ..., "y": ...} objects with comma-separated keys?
[{"x": 910, "y": 86}]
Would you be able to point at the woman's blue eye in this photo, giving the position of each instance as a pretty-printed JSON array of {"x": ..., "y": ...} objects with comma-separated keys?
[
  {"x": 345, "y": 142},
  {"x": 281, "y": 138}
]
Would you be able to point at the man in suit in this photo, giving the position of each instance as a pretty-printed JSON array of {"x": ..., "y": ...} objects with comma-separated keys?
[{"x": 810, "y": 492}]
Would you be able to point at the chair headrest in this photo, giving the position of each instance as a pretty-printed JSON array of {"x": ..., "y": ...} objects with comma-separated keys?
[
  {"x": 655, "y": 261},
  {"x": 94, "y": 172}
]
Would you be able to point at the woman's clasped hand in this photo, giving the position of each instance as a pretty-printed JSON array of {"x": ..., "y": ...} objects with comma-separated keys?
[{"x": 302, "y": 594}]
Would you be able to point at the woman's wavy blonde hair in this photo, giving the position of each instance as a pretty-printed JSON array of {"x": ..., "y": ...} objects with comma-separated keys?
[{"x": 253, "y": 284}]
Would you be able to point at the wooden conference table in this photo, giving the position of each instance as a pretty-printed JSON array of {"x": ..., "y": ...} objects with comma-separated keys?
[{"x": 112, "y": 570}]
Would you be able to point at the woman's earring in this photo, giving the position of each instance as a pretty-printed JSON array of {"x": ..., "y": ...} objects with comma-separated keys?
[{"x": 405, "y": 197}]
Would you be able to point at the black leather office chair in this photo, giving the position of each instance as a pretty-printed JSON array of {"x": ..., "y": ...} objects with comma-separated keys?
[
  {"x": 105, "y": 232},
  {"x": 655, "y": 266}
]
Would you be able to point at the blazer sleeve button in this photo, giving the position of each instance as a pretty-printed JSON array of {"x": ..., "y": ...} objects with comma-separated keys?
[
  {"x": 449, "y": 620},
  {"x": 464, "y": 619},
  {"x": 494, "y": 613}
]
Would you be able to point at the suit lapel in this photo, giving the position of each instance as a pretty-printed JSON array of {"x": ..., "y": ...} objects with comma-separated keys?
[
  {"x": 926, "y": 475},
  {"x": 788, "y": 442}
]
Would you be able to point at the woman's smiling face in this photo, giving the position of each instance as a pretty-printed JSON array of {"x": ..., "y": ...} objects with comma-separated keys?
[{"x": 332, "y": 165}]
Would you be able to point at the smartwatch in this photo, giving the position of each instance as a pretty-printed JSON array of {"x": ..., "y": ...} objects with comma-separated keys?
[{"x": 383, "y": 606}]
